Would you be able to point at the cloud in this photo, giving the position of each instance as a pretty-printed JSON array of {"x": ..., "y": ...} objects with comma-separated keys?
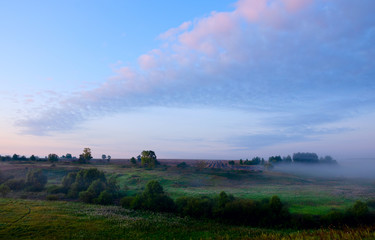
[{"x": 305, "y": 61}]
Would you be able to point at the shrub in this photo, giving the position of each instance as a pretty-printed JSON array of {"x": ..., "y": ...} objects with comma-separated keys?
[
  {"x": 52, "y": 197},
  {"x": 36, "y": 180},
  {"x": 105, "y": 198},
  {"x": 69, "y": 179},
  {"x": 182, "y": 165},
  {"x": 56, "y": 189},
  {"x": 153, "y": 198},
  {"x": 4, "y": 190},
  {"x": 126, "y": 202},
  {"x": 87, "y": 196},
  {"x": 15, "y": 184}
]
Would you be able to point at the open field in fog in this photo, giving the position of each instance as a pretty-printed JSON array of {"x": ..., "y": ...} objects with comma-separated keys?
[{"x": 303, "y": 194}]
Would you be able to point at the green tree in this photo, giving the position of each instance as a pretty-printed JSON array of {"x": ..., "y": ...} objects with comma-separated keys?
[
  {"x": 15, "y": 157},
  {"x": 53, "y": 157},
  {"x": 133, "y": 160},
  {"x": 36, "y": 180},
  {"x": 68, "y": 156},
  {"x": 148, "y": 159},
  {"x": 85, "y": 157},
  {"x": 153, "y": 198},
  {"x": 4, "y": 190},
  {"x": 32, "y": 158}
]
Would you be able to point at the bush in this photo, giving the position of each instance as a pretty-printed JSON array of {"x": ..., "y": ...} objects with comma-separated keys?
[
  {"x": 69, "y": 179},
  {"x": 52, "y": 197},
  {"x": 182, "y": 165},
  {"x": 105, "y": 198},
  {"x": 4, "y": 190},
  {"x": 153, "y": 198},
  {"x": 56, "y": 189},
  {"x": 126, "y": 202},
  {"x": 15, "y": 184},
  {"x": 36, "y": 180},
  {"x": 87, "y": 196}
]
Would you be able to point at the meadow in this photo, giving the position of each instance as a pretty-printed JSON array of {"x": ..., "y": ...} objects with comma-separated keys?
[{"x": 25, "y": 215}]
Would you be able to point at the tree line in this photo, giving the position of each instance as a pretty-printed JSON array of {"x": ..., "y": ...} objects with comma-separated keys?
[
  {"x": 83, "y": 158},
  {"x": 300, "y": 157}
]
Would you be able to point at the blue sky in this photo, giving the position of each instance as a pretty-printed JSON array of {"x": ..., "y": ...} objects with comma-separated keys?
[{"x": 218, "y": 79}]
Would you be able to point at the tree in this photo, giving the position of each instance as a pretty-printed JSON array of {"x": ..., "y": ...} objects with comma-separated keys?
[
  {"x": 104, "y": 157},
  {"x": 305, "y": 158},
  {"x": 15, "y": 157},
  {"x": 148, "y": 159},
  {"x": 68, "y": 156},
  {"x": 231, "y": 162},
  {"x": 32, "y": 158},
  {"x": 328, "y": 160},
  {"x": 275, "y": 159},
  {"x": 133, "y": 160},
  {"x": 287, "y": 159},
  {"x": 53, "y": 157},
  {"x": 241, "y": 162},
  {"x": 85, "y": 157},
  {"x": 4, "y": 190},
  {"x": 36, "y": 180},
  {"x": 153, "y": 198}
]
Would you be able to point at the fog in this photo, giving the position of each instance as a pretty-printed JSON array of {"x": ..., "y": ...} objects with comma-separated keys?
[{"x": 346, "y": 168}]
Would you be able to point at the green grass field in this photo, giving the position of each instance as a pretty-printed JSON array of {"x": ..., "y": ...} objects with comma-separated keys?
[{"x": 34, "y": 219}]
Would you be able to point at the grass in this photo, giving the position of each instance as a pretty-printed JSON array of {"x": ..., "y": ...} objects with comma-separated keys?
[
  {"x": 306, "y": 195},
  {"x": 26, "y": 219}
]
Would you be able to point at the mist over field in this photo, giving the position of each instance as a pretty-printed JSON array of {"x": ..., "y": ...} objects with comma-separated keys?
[{"x": 361, "y": 168}]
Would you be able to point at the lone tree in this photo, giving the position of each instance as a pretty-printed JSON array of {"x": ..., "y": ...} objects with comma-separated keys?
[
  {"x": 85, "y": 157},
  {"x": 148, "y": 159},
  {"x": 53, "y": 157}
]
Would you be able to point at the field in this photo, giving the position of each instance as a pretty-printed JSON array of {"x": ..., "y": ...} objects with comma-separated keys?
[
  {"x": 29, "y": 215},
  {"x": 26, "y": 219}
]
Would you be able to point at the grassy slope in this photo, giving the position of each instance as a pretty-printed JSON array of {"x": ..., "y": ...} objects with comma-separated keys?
[
  {"x": 26, "y": 219},
  {"x": 313, "y": 196},
  {"x": 302, "y": 194}
]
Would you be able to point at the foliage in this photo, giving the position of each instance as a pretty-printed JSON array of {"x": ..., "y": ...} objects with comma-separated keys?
[
  {"x": 275, "y": 159},
  {"x": 35, "y": 180},
  {"x": 254, "y": 161},
  {"x": 148, "y": 159},
  {"x": 4, "y": 190},
  {"x": 327, "y": 160},
  {"x": 182, "y": 165},
  {"x": 85, "y": 157},
  {"x": 153, "y": 198},
  {"x": 305, "y": 158},
  {"x": 133, "y": 161},
  {"x": 15, "y": 184},
  {"x": 231, "y": 163},
  {"x": 53, "y": 157}
]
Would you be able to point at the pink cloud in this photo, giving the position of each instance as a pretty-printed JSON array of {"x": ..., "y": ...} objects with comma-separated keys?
[
  {"x": 251, "y": 10},
  {"x": 208, "y": 32},
  {"x": 296, "y": 5},
  {"x": 173, "y": 31},
  {"x": 146, "y": 61}
]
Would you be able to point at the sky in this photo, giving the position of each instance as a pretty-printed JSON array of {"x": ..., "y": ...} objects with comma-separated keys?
[{"x": 214, "y": 79}]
